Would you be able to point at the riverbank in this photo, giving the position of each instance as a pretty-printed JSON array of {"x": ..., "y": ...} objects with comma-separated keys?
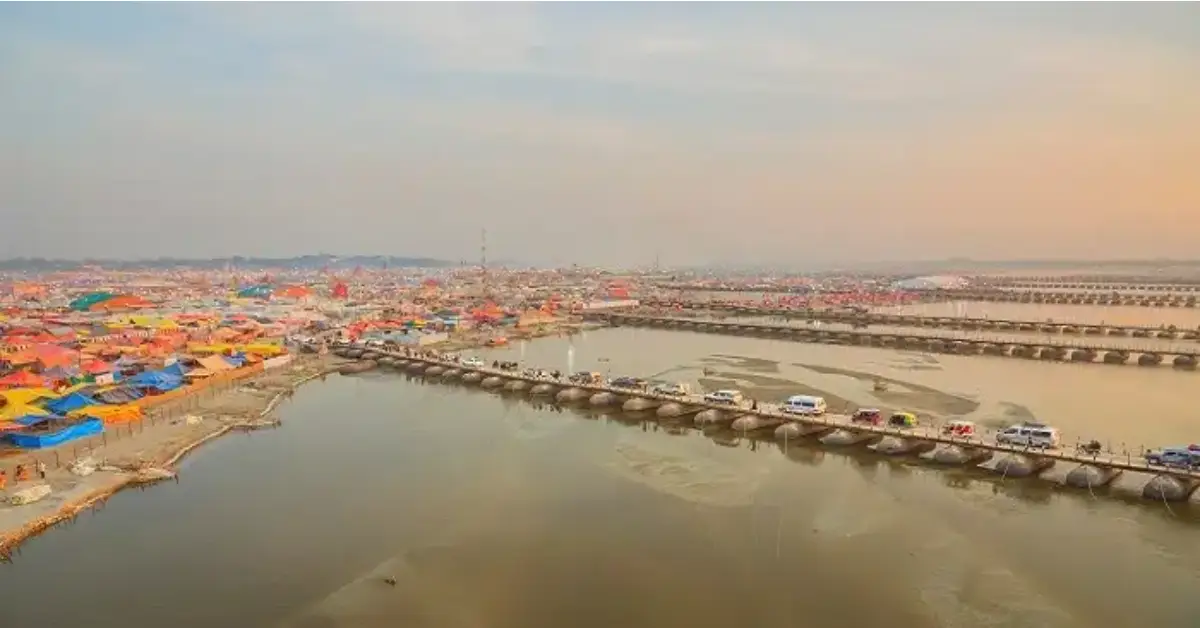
[{"x": 148, "y": 451}]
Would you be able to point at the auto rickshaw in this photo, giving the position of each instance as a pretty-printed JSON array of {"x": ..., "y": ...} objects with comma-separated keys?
[
  {"x": 870, "y": 416},
  {"x": 903, "y": 420},
  {"x": 959, "y": 429}
]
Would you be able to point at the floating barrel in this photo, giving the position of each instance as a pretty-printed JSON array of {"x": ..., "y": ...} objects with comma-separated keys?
[
  {"x": 798, "y": 429},
  {"x": 670, "y": 409},
  {"x": 1149, "y": 359},
  {"x": 492, "y": 382},
  {"x": 1116, "y": 357},
  {"x": 991, "y": 349},
  {"x": 354, "y": 354},
  {"x": 542, "y": 390},
  {"x": 1088, "y": 476},
  {"x": 711, "y": 416},
  {"x": 572, "y": 394},
  {"x": 435, "y": 371},
  {"x": 414, "y": 367},
  {"x": 846, "y": 437},
  {"x": 1053, "y": 353},
  {"x": 953, "y": 454},
  {"x": 1185, "y": 362},
  {"x": 474, "y": 377},
  {"x": 1025, "y": 352},
  {"x": 387, "y": 361},
  {"x": 754, "y": 422},
  {"x": 357, "y": 367},
  {"x": 603, "y": 399},
  {"x": 452, "y": 374},
  {"x": 637, "y": 404},
  {"x": 1020, "y": 466},
  {"x": 897, "y": 445},
  {"x": 1167, "y": 488},
  {"x": 1083, "y": 355}
]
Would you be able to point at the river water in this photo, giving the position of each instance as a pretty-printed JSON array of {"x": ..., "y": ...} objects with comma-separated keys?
[{"x": 488, "y": 511}]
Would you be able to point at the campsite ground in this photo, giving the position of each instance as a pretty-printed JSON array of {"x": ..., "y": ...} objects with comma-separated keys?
[{"x": 130, "y": 453}]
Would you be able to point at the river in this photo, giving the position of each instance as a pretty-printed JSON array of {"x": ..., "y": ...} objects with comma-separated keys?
[{"x": 491, "y": 512}]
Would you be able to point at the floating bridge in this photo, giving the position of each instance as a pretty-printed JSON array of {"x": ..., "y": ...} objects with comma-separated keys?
[
  {"x": 1046, "y": 350},
  {"x": 1089, "y": 471}
]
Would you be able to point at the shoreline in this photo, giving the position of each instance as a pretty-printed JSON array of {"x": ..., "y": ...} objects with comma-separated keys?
[{"x": 118, "y": 479}]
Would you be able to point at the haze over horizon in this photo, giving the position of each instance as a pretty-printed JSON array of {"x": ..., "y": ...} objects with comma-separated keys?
[{"x": 601, "y": 133}]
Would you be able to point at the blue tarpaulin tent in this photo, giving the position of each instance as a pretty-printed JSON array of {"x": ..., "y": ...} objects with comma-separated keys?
[
  {"x": 175, "y": 370},
  {"x": 73, "y": 401},
  {"x": 157, "y": 380}
]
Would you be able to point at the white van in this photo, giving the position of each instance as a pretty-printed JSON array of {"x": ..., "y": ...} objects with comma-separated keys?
[
  {"x": 805, "y": 404},
  {"x": 1036, "y": 435},
  {"x": 727, "y": 397}
]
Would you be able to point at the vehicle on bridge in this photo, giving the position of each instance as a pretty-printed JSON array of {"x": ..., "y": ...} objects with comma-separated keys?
[
  {"x": 869, "y": 416},
  {"x": 903, "y": 420},
  {"x": 725, "y": 397},
  {"x": 473, "y": 362},
  {"x": 959, "y": 429},
  {"x": 672, "y": 390},
  {"x": 1033, "y": 435},
  {"x": 632, "y": 383},
  {"x": 807, "y": 405},
  {"x": 585, "y": 378},
  {"x": 1183, "y": 457}
]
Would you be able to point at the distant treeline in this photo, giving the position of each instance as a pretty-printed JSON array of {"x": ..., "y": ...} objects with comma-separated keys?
[{"x": 38, "y": 264}]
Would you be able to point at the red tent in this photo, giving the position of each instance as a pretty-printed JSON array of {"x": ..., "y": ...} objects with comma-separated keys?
[{"x": 22, "y": 379}]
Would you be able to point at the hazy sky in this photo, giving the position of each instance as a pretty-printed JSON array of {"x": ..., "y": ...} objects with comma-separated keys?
[{"x": 601, "y": 133}]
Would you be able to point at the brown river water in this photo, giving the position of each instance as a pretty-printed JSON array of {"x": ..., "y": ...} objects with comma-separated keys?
[{"x": 489, "y": 511}]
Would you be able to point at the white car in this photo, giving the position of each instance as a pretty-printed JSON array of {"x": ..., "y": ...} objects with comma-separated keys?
[
  {"x": 725, "y": 397},
  {"x": 473, "y": 363}
]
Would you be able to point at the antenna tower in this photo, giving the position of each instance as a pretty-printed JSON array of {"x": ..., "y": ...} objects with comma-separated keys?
[{"x": 483, "y": 261}]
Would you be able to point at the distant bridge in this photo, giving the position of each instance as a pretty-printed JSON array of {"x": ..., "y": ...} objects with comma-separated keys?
[
  {"x": 1061, "y": 298},
  {"x": 1078, "y": 352},
  {"x": 944, "y": 322}
]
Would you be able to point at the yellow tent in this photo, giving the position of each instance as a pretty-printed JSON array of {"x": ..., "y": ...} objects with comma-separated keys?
[
  {"x": 21, "y": 401},
  {"x": 110, "y": 414},
  {"x": 264, "y": 349}
]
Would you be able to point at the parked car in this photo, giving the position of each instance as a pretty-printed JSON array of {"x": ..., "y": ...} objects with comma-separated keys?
[
  {"x": 1182, "y": 457},
  {"x": 473, "y": 362},
  {"x": 632, "y": 383},
  {"x": 725, "y": 397},
  {"x": 672, "y": 390}
]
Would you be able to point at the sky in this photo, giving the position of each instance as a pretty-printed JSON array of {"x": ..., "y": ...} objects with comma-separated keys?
[{"x": 601, "y": 133}]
